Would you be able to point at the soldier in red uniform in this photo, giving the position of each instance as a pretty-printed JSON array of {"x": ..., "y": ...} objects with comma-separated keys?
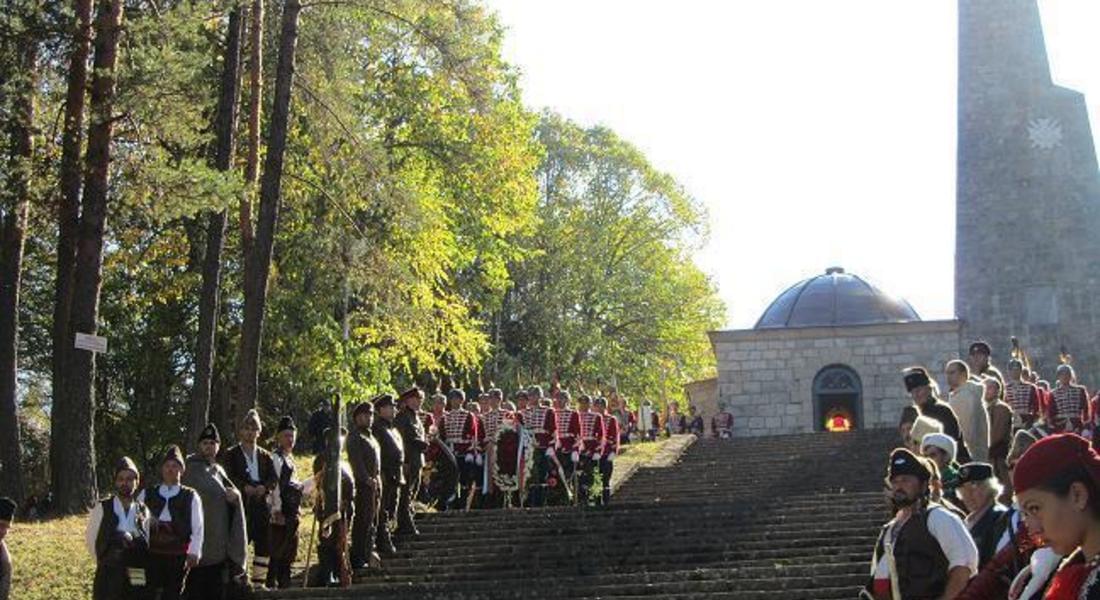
[
  {"x": 1023, "y": 396},
  {"x": 610, "y": 449},
  {"x": 460, "y": 434},
  {"x": 491, "y": 420},
  {"x": 568, "y": 425},
  {"x": 1069, "y": 408},
  {"x": 541, "y": 422},
  {"x": 591, "y": 442}
]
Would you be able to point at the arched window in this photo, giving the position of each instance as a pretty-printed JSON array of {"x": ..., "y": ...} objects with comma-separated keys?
[{"x": 838, "y": 399}]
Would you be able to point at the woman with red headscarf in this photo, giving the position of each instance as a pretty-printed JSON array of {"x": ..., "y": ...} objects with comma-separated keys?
[{"x": 1057, "y": 483}]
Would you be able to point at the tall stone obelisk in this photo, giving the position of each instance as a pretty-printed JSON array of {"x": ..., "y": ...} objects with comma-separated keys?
[{"x": 1027, "y": 256}]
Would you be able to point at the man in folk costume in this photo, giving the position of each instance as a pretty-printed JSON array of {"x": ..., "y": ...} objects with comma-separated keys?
[
  {"x": 333, "y": 567},
  {"x": 925, "y": 397},
  {"x": 925, "y": 551},
  {"x": 286, "y": 504},
  {"x": 610, "y": 449},
  {"x": 252, "y": 471},
  {"x": 541, "y": 422},
  {"x": 392, "y": 467},
  {"x": 1057, "y": 481},
  {"x": 117, "y": 537},
  {"x": 460, "y": 433},
  {"x": 568, "y": 424},
  {"x": 590, "y": 447},
  {"x": 224, "y": 546},
  {"x": 1069, "y": 410},
  {"x": 721, "y": 425},
  {"x": 175, "y": 531},
  {"x": 7, "y": 514},
  {"x": 492, "y": 420},
  {"x": 415, "y": 437},
  {"x": 1023, "y": 396},
  {"x": 365, "y": 457},
  {"x": 965, "y": 397},
  {"x": 978, "y": 490}
]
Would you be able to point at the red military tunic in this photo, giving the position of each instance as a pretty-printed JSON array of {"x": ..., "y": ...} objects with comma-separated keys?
[
  {"x": 591, "y": 434},
  {"x": 1024, "y": 398},
  {"x": 460, "y": 431},
  {"x": 569, "y": 429},
  {"x": 541, "y": 422},
  {"x": 491, "y": 422},
  {"x": 611, "y": 436},
  {"x": 1070, "y": 404}
]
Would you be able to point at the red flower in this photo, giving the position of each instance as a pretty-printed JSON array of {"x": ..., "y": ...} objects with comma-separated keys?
[{"x": 552, "y": 482}]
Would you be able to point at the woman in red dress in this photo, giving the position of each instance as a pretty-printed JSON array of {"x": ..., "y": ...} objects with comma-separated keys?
[{"x": 1057, "y": 483}]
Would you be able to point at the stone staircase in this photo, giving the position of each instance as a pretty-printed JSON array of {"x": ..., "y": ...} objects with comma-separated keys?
[{"x": 742, "y": 519}]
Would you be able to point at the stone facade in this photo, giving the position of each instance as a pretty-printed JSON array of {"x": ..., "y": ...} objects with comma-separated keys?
[
  {"x": 703, "y": 395},
  {"x": 766, "y": 377},
  {"x": 1027, "y": 260}
]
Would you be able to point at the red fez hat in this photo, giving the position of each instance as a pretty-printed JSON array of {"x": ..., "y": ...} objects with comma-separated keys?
[{"x": 1052, "y": 456}]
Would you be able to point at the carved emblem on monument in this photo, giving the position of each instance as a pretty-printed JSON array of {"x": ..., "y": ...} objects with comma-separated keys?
[{"x": 1045, "y": 133}]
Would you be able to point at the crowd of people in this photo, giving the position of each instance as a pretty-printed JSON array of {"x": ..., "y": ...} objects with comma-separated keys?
[
  {"x": 225, "y": 521},
  {"x": 995, "y": 492}
]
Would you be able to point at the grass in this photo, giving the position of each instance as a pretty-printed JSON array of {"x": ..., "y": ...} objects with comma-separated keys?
[{"x": 51, "y": 562}]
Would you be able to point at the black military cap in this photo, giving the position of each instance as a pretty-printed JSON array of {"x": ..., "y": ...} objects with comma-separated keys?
[
  {"x": 904, "y": 462},
  {"x": 409, "y": 393},
  {"x": 974, "y": 472},
  {"x": 7, "y": 509},
  {"x": 916, "y": 377},
  {"x": 362, "y": 407},
  {"x": 600, "y": 401},
  {"x": 173, "y": 453},
  {"x": 584, "y": 399},
  {"x": 382, "y": 401},
  {"x": 210, "y": 432},
  {"x": 286, "y": 424},
  {"x": 980, "y": 346}
]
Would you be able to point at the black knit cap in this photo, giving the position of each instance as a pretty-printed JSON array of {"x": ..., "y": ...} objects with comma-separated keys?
[
  {"x": 7, "y": 509},
  {"x": 916, "y": 377},
  {"x": 286, "y": 424},
  {"x": 173, "y": 453},
  {"x": 382, "y": 400},
  {"x": 362, "y": 407},
  {"x": 904, "y": 462},
  {"x": 980, "y": 346},
  {"x": 210, "y": 432},
  {"x": 975, "y": 471}
]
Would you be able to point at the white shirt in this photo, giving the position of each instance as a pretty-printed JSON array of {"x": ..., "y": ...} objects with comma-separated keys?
[
  {"x": 276, "y": 496},
  {"x": 969, "y": 407},
  {"x": 194, "y": 547},
  {"x": 954, "y": 539},
  {"x": 127, "y": 522},
  {"x": 251, "y": 463}
]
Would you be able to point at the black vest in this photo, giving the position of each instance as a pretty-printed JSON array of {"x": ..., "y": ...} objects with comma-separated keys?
[
  {"x": 109, "y": 545},
  {"x": 921, "y": 563},
  {"x": 988, "y": 531},
  {"x": 179, "y": 530}
]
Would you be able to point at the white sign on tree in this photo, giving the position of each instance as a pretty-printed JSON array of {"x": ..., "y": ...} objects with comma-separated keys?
[{"x": 91, "y": 343}]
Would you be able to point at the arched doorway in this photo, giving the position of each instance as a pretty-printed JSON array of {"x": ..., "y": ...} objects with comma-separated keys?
[{"x": 838, "y": 399}]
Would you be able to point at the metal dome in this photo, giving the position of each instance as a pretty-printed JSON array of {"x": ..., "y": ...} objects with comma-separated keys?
[{"x": 834, "y": 299}]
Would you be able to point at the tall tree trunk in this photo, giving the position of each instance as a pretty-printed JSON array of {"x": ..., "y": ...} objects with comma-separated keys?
[
  {"x": 75, "y": 483},
  {"x": 226, "y": 129},
  {"x": 13, "y": 224},
  {"x": 255, "y": 107},
  {"x": 257, "y": 269},
  {"x": 68, "y": 217}
]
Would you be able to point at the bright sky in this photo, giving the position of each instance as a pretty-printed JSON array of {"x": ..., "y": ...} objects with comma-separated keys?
[{"x": 815, "y": 133}]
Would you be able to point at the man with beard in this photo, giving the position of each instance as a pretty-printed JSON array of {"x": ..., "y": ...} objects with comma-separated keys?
[
  {"x": 392, "y": 468},
  {"x": 411, "y": 425},
  {"x": 365, "y": 458},
  {"x": 925, "y": 551},
  {"x": 252, "y": 471},
  {"x": 117, "y": 537},
  {"x": 224, "y": 546},
  {"x": 925, "y": 397},
  {"x": 176, "y": 531}
]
